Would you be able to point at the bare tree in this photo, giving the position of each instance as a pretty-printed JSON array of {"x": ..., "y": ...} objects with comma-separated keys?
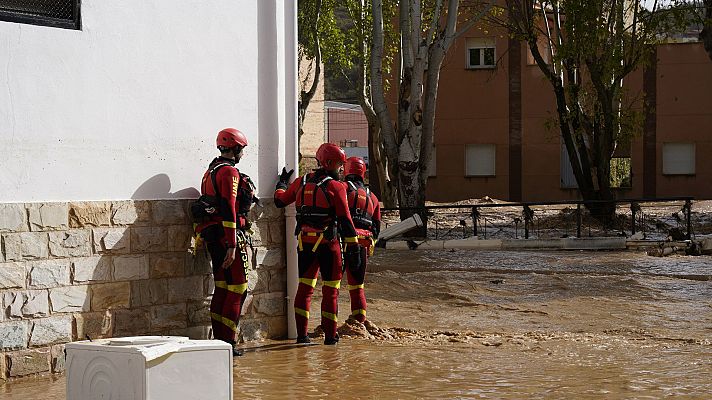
[
  {"x": 586, "y": 48},
  {"x": 706, "y": 34},
  {"x": 427, "y": 30},
  {"x": 361, "y": 42}
]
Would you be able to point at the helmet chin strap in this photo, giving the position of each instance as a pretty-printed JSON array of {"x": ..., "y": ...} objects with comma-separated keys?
[{"x": 237, "y": 153}]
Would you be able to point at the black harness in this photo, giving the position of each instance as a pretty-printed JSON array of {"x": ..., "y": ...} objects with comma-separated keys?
[
  {"x": 362, "y": 218},
  {"x": 313, "y": 215},
  {"x": 208, "y": 205}
]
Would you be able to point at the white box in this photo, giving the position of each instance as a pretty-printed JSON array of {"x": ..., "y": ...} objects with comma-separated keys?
[{"x": 149, "y": 368}]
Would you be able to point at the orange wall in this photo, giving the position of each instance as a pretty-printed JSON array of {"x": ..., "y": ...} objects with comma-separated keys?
[
  {"x": 684, "y": 114},
  {"x": 473, "y": 107}
]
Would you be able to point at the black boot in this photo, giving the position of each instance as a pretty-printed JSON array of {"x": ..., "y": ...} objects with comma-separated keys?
[
  {"x": 331, "y": 341},
  {"x": 303, "y": 340},
  {"x": 237, "y": 352}
]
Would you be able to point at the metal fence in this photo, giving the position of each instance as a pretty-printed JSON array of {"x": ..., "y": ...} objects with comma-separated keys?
[{"x": 654, "y": 219}]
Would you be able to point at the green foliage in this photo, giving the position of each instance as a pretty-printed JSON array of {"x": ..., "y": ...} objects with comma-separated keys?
[
  {"x": 344, "y": 33},
  {"x": 317, "y": 20},
  {"x": 596, "y": 44},
  {"x": 620, "y": 172}
]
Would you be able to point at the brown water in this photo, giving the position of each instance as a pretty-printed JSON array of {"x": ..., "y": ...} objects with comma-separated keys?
[{"x": 498, "y": 325}]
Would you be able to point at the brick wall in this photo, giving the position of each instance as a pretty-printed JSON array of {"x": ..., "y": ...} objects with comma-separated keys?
[{"x": 119, "y": 268}]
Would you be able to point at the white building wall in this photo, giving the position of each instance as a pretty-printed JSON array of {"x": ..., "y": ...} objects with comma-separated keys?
[
  {"x": 125, "y": 112},
  {"x": 128, "y": 107}
]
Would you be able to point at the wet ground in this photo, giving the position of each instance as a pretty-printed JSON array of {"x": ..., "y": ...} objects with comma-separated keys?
[{"x": 469, "y": 324}]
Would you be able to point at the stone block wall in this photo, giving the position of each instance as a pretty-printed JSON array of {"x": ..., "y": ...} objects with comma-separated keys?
[{"x": 72, "y": 270}]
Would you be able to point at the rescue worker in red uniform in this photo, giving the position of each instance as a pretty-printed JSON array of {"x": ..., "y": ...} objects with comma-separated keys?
[
  {"x": 224, "y": 233},
  {"x": 365, "y": 211},
  {"x": 321, "y": 210}
]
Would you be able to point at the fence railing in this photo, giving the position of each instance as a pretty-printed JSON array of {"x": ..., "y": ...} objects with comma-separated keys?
[{"x": 655, "y": 218}]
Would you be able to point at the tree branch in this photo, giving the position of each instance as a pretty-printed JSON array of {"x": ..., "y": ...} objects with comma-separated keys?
[
  {"x": 306, "y": 97},
  {"x": 377, "y": 90}
]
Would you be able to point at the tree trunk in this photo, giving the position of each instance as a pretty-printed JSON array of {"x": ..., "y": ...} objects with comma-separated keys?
[
  {"x": 706, "y": 34},
  {"x": 590, "y": 167},
  {"x": 408, "y": 145},
  {"x": 380, "y": 107},
  {"x": 378, "y": 176},
  {"x": 301, "y": 113}
]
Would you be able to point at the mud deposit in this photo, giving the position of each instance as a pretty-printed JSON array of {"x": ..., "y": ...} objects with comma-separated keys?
[{"x": 471, "y": 324}]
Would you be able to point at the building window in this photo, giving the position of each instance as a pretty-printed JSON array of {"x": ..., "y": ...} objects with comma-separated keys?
[
  {"x": 480, "y": 159},
  {"x": 54, "y": 13},
  {"x": 620, "y": 172},
  {"x": 480, "y": 53},
  {"x": 678, "y": 158}
]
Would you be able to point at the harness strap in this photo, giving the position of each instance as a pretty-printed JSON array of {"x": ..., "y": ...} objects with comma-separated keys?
[
  {"x": 358, "y": 214},
  {"x": 320, "y": 184},
  {"x": 214, "y": 179},
  {"x": 368, "y": 200},
  {"x": 318, "y": 235}
]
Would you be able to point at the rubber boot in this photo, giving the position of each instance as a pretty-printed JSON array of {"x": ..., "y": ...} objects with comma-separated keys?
[
  {"x": 303, "y": 340},
  {"x": 331, "y": 341}
]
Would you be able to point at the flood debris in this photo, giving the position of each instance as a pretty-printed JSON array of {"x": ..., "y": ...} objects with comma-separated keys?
[{"x": 687, "y": 248}]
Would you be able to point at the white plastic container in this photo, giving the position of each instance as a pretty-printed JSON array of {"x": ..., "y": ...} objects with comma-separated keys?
[{"x": 149, "y": 368}]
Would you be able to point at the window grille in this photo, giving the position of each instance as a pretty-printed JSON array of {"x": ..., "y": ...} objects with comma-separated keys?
[{"x": 54, "y": 13}]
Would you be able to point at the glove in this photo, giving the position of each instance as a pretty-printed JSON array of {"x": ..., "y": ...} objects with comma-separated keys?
[
  {"x": 283, "y": 181},
  {"x": 352, "y": 255}
]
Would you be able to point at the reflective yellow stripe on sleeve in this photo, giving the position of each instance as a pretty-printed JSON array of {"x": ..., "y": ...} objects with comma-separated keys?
[
  {"x": 353, "y": 239},
  {"x": 334, "y": 284},
  {"x": 221, "y": 284},
  {"x": 330, "y": 316},
  {"x": 300, "y": 246},
  {"x": 308, "y": 282},
  {"x": 228, "y": 224}
]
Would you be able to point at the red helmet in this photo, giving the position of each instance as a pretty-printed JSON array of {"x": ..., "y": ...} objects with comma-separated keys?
[
  {"x": 355, "y": 166},
  {"x": 231, "y": 137},
  {"x": 330, "y": 156}
]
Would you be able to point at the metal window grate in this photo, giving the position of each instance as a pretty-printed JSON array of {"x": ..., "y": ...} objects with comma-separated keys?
[{"x": 55, "y": 13}]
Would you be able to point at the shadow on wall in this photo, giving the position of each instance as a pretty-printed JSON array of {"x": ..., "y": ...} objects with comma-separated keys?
[{"x": 159, "y": 187}]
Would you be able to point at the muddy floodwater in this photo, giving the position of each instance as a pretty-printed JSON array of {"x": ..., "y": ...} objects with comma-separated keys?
[{"x": 469, "y": 324}]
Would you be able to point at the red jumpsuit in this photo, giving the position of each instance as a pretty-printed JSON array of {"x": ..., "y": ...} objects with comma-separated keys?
[
  {"x": 321, "y": 206},
  {"x": 221, "y": 233},
  {"x": 366, "y": 213}
]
